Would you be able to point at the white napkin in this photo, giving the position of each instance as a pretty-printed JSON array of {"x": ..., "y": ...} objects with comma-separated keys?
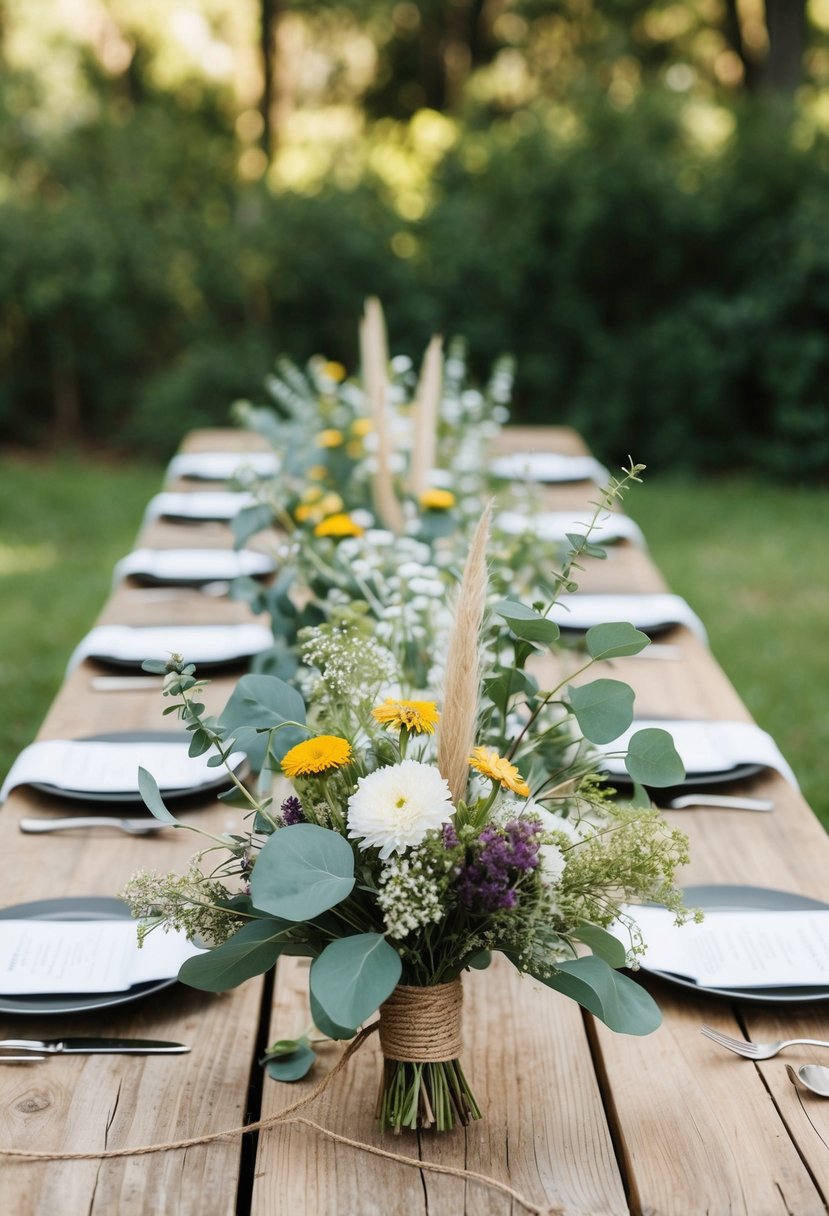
[
  {"x": 643, "y": 611},
  {"x": 88, "y": 767},
  {"x": 707, "y": 747},
  {"x": 53, "y": 956},
  {"x": 222, "y": 505},
  {"x": 738, "y": 949},
  {"x": 197, "y": 643},
  {"x": 549, "y": 467},
  {"x": 193, "y": 565},
  {"x": 554, "y": 526},
  {"x": 221, "y": 466}
]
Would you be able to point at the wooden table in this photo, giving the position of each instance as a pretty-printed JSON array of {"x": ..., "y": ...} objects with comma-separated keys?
[{"x": 574, "y": 1116}]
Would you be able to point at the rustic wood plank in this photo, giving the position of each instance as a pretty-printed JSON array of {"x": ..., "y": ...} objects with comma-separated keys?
[{"x": 544, "y": 1131}]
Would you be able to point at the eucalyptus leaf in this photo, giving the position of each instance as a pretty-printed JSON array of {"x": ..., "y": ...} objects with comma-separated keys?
[
  {"x": 325, "y": 1025},
  {"x": 616, "y": 1000},
  {"x": 480, "y": 961},
  {"x": 158, "y": 667},
  {"x": 250, "y": 520},
  {"x": 258, "y": 703},
  {"x": 353, "y": 976},
  {"x": 151, "y": 794},
  {"x": 652, "y": 758},
  {"x": 251, "y": 951},
  {"x": 526, "y": 623},
  {"x": 292, "y": 1067},
  {"x": 302, "y": 870},
  {"x": 603, "y": 944},
  {"x": 603, "y": 709},
  {"x": 614, "y": 640}
]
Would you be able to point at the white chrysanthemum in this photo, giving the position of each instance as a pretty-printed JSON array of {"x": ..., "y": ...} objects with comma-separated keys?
[{"x": 394, "y": 807}]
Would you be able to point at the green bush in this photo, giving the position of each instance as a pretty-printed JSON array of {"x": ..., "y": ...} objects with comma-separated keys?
[{"x": 667, "y": 302}]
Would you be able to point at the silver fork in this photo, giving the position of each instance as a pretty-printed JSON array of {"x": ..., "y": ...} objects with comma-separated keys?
[
  {"x": 756, "y": 1051},
  {"x": 133, "y": 827}
]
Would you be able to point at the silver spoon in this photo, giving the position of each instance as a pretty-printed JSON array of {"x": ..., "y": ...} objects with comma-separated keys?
[
  {"x": 813, "y": 1076},
  {"x": 133, "y": 827}
]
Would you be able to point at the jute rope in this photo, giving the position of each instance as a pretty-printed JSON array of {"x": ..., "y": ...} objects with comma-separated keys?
[
  {"x": 289, "y": 1116},
  {"x": 422, "y": 1025}
]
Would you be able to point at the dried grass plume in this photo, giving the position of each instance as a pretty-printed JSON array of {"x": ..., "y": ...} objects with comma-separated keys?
[
  {"x": 461, "y": 690},
  {"x": 374, "y": 356}
]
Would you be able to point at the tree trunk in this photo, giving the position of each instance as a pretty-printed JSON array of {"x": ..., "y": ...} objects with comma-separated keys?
[
  {"x": 786, "y": 24},
  {"x": 269, "y": 15}
]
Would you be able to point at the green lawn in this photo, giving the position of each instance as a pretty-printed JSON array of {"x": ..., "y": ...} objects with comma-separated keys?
[
  {"x": 63, "y": 525},
  {"x": 749, "y": 557}
]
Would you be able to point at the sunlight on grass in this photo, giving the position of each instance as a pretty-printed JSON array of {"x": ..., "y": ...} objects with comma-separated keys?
[{"x": 23, "y": 559}]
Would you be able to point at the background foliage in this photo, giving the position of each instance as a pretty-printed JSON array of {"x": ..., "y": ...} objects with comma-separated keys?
[{"x": 629, "y": 196}]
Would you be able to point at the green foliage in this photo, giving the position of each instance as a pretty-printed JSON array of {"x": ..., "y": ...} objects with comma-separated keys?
[
  {"x": 301, "y": 871},
  {"x": 603, "y": 709},
  {"x": 652, "y": 758},
  {"x": 251, "y": 951},
  {"x": 618, "y": 1001},
  {"x": 664, "y": 297},
  {"x": 353, "y": 976}
]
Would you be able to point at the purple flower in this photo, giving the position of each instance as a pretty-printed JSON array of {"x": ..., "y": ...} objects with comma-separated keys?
[
  {"x": 291, "y": 811},
  {"x": 502, "y": 857},
  {"x": 450, "y": 836}
]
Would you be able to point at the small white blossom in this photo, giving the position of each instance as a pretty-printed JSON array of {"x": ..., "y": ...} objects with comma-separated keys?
[{"x": 409, "y": 896}]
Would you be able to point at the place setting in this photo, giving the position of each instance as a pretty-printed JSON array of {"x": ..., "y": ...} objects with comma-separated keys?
[
  {"x": 104, "y": 768},
  {"x": 209, "y": 647},
  {"x": 609, "y": 528},
  {"x": 78, "y": 954},
  {"x": 198, "y": 506},
  {"x": 548, "y": 468},
  {"x": 221, "y": 466},
  {"x": 192, "y": 567}
]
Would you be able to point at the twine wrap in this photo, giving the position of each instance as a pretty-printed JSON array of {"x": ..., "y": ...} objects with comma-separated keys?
[{"x": 422, "y": 1025}]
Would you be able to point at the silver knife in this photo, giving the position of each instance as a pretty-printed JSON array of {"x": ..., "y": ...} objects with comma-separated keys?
[{"x": 74, "y": 1047}]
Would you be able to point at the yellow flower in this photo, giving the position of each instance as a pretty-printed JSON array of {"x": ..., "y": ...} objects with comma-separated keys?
[
  {"x": 334, "y": 371},
  {"x": 417, "y": 717},
  {"x": 318, "y": 472},
  {"x": 303, "y": 513},
  {"x": 316, "y": 756},
  {"x": 330, "y": 438},
  {"x": 487, "y": 761},
  {"x": 337, "y": 526},
  {"x": 330, "y": 504},
  {"x": 362, "y": 427},
  {"x": 312, "y": 493},
  {"x": 437, "y": 500}
]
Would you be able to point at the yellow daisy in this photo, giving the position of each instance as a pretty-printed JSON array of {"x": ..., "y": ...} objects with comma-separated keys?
[
  {"x": 362, "y": 427},
  {"x": 487, "y": 761},
  {"x": 417, "y": 717},
  {"x": 437, "y": 500},
  {"x": 330, "y": 438},
  {"x": 316, "y": 756},
  {"x": 304, "y": 512},
  {"x": 334, "y": 371},
  {"x": 338, "y": 525}
]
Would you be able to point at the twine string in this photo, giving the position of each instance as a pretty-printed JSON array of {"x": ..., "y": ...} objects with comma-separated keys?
[
  {"x": 422, "y": 1025},
  {"x": 289, "y": 1116}
]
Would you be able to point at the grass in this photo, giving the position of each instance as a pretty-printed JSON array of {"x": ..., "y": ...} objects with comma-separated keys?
[
  {"x": 63, "y": 524},
  {"x": 746, "y": 555},
  {"x": 750, "y": 558}
]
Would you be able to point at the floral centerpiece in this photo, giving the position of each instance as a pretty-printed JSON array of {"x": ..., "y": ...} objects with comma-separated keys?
[{"x": 407, "y": 848}]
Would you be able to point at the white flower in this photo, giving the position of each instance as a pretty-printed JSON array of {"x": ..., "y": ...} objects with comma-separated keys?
[{"x": 394, "y": 807}]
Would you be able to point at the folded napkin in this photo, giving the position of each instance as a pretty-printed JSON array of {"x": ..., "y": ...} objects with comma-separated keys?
[
  {"x": 739, "y": 949},
  {"x": 89, "y": 767},
  {"x": 213, "y": 505},
  {"x": 221, "y": 466},
  {"x": 554, "y": 526},
  {"x": 192, "y": 565},
  {"x": 645, "y": 612},
  {"x": 706, "y": 747},
  {"x": 199, "y": 644},
  {"x": 40, "y": 957},
  {"x": 549, "y": 467}
]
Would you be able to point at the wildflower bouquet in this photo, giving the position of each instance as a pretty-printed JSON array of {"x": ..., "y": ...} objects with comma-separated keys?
[{"x": 408, "y": 849}]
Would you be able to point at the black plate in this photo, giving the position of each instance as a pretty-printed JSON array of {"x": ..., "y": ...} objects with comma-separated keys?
[
  {"x": 92, "y": 907},
  {"x": 740, "y": 772},
  {"x": 720, "y": 897}
]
